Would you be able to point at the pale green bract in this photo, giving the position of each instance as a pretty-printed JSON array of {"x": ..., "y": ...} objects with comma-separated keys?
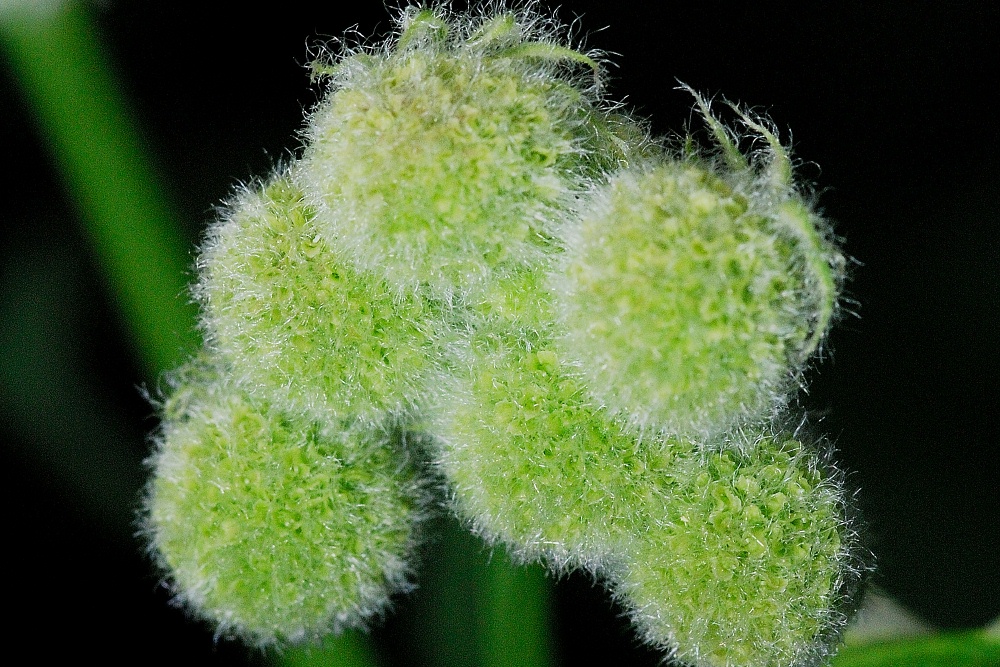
[{"x": 587, "y": 338}]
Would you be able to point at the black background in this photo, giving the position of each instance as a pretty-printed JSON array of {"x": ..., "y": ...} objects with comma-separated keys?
[{"x": 888, "y": 105}]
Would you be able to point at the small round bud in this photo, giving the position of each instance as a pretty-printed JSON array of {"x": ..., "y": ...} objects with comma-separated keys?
[
  {"x": 688, "y": 305},
  {"x": 273, "y": 528},
  {"x": 299, "y": 325},
  {"x": 746, "y": 562},
  {"x": 452, "y": 153}
]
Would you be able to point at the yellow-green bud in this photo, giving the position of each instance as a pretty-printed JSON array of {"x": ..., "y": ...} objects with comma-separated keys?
[
  {"x": 746, "y": 561},
  {"x": 271, "y": 527},
  {"x": 692, "y": 296},
  {"x": 298, "y": 324},
  {"x": 451, "y": 154}
]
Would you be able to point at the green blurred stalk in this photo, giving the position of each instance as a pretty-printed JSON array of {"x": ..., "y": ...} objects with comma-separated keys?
[
  {"x": 970, "y": 648},
  {"x": 516, "y": 610},
  {"x": 351, "y": 649},
  {"x": 475, "y": 608},
  {"x": 65, "y": 77},
  {"x": 55, "y": 54}
]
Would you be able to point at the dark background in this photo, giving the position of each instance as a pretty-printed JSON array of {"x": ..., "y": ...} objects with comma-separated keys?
[{"x": 888, "y": 105}]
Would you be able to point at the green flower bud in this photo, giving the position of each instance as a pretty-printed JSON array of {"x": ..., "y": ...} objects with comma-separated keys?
[
  {"x": 733, "y": 554},
  {"x": 300, "y": 326},
  {"x": 579, "y": 415},
  {"x": 275, "y": 528},
  {"x": 530, "y": 460},
  {"x": 748, "y": 562},
  {"x": 692, "y": 296},
  {"x": 451, "y": 154}
]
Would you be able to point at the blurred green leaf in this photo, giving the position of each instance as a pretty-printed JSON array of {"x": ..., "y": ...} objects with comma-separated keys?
[{"x": 954, "y": 649}]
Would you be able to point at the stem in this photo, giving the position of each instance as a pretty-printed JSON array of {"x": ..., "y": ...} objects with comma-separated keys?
[
  {"x": 78, "y": 107},
  {"x": 474, "y": 609},
  {"x": 351, "y": 649},
  {"x": 56, "y": 55},
  {"x": 516, "y": 614}
]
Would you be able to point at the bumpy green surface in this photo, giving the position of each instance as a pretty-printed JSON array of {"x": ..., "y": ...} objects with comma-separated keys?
[
  {"x": 686, "y": 304},
  {"x": 297, "y": 323},
  {"x": 272, "y": 528},
  {"x": 730, "y": 557},
  {"x": 405, "y": 262},
  {"x": 742, "y": 563},
  {"x": 452, "y": 153},
  {"x": 531, "y": 461}
]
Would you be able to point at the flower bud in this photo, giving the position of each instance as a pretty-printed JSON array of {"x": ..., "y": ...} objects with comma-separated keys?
[
  {"x": 271, "y": 527},
  {"x": 747, "y": 562},
  {"x": 299, "y": 325},
  {"x": 450, "y": 155},
  {"x": 690, "y": 298}
]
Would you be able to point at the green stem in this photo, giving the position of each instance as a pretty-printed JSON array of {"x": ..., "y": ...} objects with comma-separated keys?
[
  {"x": 516, "y": 615},
  {"x": 55, "y": 53},
  {"x": 476, "y": 609},
  {"x": 351, "y": 649},
  {"x": 80, "y": 113}
]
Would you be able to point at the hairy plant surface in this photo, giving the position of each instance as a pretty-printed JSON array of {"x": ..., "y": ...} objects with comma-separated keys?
[
  {"x": 273, "y": 527},
  {"x": 588, "y": 336}
]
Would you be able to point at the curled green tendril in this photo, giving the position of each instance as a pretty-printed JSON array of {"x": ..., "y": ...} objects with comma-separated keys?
[
  {"x": 425, "y": 25},
  {"x": 794, "y": 217}
]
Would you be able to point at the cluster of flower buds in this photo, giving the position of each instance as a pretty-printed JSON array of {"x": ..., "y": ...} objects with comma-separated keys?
[{"x": 481, "y": 272}]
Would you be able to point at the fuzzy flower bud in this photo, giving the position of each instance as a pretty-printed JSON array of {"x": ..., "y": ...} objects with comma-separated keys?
[
  {"x": 692, "y": 296},
  {"x": 747, "y": 560},
  {"x": 451, "y": 153},
  {"x": 300, "y": 325},
  {"x": 273, "y": 528}
]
